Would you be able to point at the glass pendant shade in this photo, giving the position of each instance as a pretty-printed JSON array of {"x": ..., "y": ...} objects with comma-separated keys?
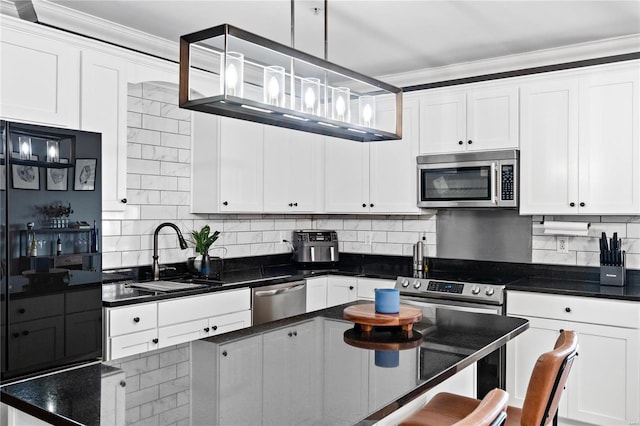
[
  {"x": 367, "y": 111},
  {"x": 53, "y": 152},
  {"x": 24, "y": 143},
  {"x": 273, "y": 86},
  {"x": 233, "y": 73},
  {"x": 340, "y": 104}
]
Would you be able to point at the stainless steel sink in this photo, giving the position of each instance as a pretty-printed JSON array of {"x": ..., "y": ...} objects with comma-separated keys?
[{"x": 166, "y": 286}]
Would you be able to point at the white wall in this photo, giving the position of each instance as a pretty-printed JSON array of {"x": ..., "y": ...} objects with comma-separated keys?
[{"x": 158, "y": 182}]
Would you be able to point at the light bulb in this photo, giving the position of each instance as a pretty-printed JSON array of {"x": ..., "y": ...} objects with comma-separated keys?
[
  {"x": 274, "y": 88},
  {"x": 25, "y": 149},
  {"x": 309, "y": 98},
  {"x": 340, "y": 106},
  {"x": 232, "y": 78},
  {"x": 52, "y": 152},
  {"x": 367, "y": 113}
]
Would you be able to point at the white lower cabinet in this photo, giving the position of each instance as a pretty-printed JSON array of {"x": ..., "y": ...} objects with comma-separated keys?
[
  {"x": 228, "y": 387},
  {"x": 143, "y": 327},
  {"x": 341, "y": 290},
  {"x": 603, "y": 387},
  {"x": 290, "y": 364},
  {"x": 316, "y": 293},
  {"x": 345, "y": 375}
]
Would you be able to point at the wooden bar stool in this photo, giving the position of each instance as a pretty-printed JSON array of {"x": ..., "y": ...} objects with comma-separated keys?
[{"x": 540, "y": 403}]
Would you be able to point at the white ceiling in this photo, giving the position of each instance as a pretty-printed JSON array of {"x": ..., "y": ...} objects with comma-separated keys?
[{"x": 387, "y": 36}]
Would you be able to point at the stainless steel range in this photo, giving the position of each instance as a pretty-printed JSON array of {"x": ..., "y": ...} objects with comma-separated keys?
[{"x": 473, "y": 295}]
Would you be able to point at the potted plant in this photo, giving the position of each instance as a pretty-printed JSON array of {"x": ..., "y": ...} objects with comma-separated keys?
[{"x": 203, "y": 240}]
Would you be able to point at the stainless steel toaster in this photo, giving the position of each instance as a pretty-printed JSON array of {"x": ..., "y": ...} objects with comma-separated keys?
[{"x": 315, "y": 246}]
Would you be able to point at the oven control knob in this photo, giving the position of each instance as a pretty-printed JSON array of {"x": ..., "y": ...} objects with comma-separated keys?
[
  {"x": 475, "y": 290},
  {"x": 416, "y": 284},
  {"x": 404, "y": 282},
  {"x": 489, "y": 291}
]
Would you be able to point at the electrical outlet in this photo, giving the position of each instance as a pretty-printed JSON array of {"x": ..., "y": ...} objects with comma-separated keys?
[{"x": 562, "y": 244}]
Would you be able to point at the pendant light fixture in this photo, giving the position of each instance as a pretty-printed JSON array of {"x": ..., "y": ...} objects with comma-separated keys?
[{"x": 252, "y": 78}]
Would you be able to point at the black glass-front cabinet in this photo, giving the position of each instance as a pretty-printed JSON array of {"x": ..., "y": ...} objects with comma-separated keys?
[{"x": 51, "y": 278}]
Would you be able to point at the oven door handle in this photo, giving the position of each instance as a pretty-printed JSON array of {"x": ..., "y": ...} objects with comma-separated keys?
[{"x": 494, "y": 186}]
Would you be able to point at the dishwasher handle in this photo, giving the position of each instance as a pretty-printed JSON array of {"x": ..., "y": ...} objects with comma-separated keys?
[{"x": 294, "y": 287}]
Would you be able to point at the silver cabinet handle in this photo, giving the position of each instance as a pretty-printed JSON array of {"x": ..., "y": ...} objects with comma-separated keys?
[
  {"x": 295, "y": 287},
  {"x": 494, "y": 187}
]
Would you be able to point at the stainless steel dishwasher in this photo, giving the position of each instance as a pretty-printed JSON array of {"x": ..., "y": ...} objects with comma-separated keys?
[{"x": 277, "y": 301}]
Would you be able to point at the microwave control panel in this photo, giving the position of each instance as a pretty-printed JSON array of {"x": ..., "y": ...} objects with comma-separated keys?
[{"x": 507, "y": 182}]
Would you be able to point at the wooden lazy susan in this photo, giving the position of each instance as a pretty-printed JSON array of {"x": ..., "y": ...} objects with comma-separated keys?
[{"x": 366, "y": 317}]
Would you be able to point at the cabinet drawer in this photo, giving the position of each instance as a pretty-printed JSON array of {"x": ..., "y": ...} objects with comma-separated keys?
[
  {"x": 132, "y": 319},
  {"x": 574, "y": 308},
  {"x": 131, "y": 344},
  {"x": 36, "y": 307},
  {"x": 192, "y": 308},
  {"x": 183, "y": 332},
  {"x": 230, "y": 322}
]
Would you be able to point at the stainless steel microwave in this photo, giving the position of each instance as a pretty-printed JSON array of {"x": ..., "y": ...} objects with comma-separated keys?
[{"x": 469, "y": 179}]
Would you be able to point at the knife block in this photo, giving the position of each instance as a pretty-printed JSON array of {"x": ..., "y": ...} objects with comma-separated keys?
[{"x": 613, "y": 275}]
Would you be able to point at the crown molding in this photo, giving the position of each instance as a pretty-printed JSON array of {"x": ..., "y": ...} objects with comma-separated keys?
[
  {"x": 83, "y": 24},
  {"x": 559, "y": 55}
]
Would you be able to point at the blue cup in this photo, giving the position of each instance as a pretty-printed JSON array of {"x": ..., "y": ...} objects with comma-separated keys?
[
  {"x": 387, "y": 359},
  {"x": 387, "y": 300}
]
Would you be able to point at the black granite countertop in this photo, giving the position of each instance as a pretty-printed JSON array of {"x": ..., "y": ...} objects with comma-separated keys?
[
  {"x": 266, "y": 270},
  {"x": 341, "y": 383}
]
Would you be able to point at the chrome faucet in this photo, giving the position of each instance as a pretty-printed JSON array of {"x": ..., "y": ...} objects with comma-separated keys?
[{"x": 155, "y": 267}]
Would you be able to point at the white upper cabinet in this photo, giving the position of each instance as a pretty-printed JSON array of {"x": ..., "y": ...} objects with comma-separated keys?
[
  {"x": 292, "y": 171},
  {"x": 227, "y": 165},
  {"x": 39, "y": 77},
  {"x": 473, "y": 120},
  {"x": 579, "y": 150},
  {"x": 104, "y": 109},
  {"x": 376, "y": 177}
]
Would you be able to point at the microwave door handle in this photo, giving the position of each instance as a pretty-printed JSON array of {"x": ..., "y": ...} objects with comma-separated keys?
[
  {"x": 312, "y": 249},
  {"x": 494, "y": 187}
]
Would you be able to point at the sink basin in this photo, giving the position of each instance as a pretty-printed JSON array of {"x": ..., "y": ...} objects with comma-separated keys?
[{"x": 166, "y": 286}]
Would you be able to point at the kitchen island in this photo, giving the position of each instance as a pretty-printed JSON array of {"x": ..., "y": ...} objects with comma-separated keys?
[{"x": 300, "y": 370}]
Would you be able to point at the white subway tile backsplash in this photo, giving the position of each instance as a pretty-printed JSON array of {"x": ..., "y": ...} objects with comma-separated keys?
[
  {"x": 174, "y": 198},
  {"x": 418, "y": 225},
  {"x": 134, "y": 119},
  {"x": 175, "y": 140},
  {"x": 120, "y": 243},
  {"x": 133, "y": 181},
  {"x": 184, "y": 156},
  {"x": 143, "y": 136},
  {"x": 134, "y": 150},
  {"x": 356, "y": 247},
  {"x": 143, "y": 196},
  {"x": 173, "y": 111},
  {"x": 160, "y": 93},
  {"x": 249, "y": 237},
  {"x": 358, "y": 224},
  {"x": 262, "y": 225},
  {"x": 151, "y": 152},
  {"x": 184, "y": 127},
  {"x": 552, "y": 257},
  {"x": 544, "y": 242},
  {"x": 161, "y": 124},
  {"x": 163, "y": 213},
  {"x": 237, "y": 225},
  {"x": 329, "y": 223},
  {"x": 164, "y": 183},
  {"x": 403, "y": 237},
  {"x": 584, "y": 258},
  {"x": 388, "y": 249},
  {"x": 143, "y": 106},
  {"x": 388, "y": 224},
  {"x": 134, "y": 89},
  {"x": 111, "y": 227},
  {"x": 175, "y": 169},
  {"x": 143, "y": 167},
  {"x": 184, "y": 184},
  {"x": 633, "y": 230}
]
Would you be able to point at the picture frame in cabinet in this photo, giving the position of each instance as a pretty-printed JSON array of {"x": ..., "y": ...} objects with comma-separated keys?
[
  {"x": 25, "y": 176},
  {"x": 57, "y": 179},
  {"x": 85, "y": 174}
]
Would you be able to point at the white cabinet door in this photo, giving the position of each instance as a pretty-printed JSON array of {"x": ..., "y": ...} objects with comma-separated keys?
[
  {"x": 549, "y": 147},
  {"x": 290, "y": 365},
  {"x": 39, "y": 79},
  {"x": 341, "y": 290},
  {"x": 609, "y": 146},
  {"x": 443, "y": 120},
  {"x": 240, "y": 165},
  {"x": 392, "y": 172},
  {"x": 316, "y": 293},
  {"x": 292, "y": 171},
  {"x": 522, "y": 353},
  {"x": 346, "y": 176},
  {"x": 131, "y": 344},
  {"x": 603, "y": 383},
  {"x": 492, "y": 118},
  {"x": 240, "y": 382},
  {"x": 104, "y": 110},
  {"x": 346, "y": 373}
]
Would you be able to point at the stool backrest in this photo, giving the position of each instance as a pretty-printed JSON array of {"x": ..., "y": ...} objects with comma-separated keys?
[
  {"x": 491, "y": 410},
  {"x": 547, "y": 381}
]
